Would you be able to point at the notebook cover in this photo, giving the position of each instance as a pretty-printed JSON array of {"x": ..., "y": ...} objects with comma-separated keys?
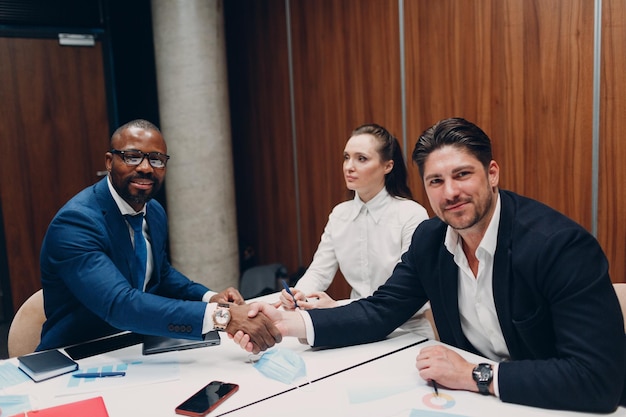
[
  {"x": 46, "y": 364},
  {"x": 92, "y": 407}
]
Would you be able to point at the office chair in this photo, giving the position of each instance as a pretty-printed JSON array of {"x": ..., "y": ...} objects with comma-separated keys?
[
  {"x": 428, "y": 314},
  {"x": 25, "y": 331},
  {"x": 261, "y": 280}
]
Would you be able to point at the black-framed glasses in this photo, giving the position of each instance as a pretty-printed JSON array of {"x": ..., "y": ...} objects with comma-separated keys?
[{"x": 134, "y": 157}]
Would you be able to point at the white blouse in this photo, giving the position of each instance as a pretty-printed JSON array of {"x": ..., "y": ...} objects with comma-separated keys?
[{"x": 365, "y": 241}]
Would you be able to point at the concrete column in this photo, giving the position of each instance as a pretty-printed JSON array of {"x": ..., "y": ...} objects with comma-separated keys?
[{"x": 194, "y": 111}]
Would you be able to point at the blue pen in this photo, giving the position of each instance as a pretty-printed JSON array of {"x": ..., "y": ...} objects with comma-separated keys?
[
  {"x": 98, "y": 374},
  {"x": 289, "y": 292}
]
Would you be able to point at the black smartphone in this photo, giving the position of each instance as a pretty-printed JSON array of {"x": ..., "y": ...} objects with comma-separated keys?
[{"x": 207, "y": 399}]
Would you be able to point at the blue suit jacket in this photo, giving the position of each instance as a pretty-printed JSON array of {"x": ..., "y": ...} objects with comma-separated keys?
[
  {"x": 556, "y": 306},
  {"x": 86, "y": 264}
]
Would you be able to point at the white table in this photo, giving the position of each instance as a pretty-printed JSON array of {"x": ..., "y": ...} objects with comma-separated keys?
[
  {"x": 376, "y": 379},
  {"x": 391, "y": 387},
  {"x": 168, "y": 379}
]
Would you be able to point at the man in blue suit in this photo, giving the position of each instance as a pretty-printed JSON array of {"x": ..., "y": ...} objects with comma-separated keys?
[
  {"x": 93, "y": 283},
  {"x": 507, "y": 277}
]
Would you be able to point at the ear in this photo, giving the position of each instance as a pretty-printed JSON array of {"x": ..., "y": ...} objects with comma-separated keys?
[
  {"x": 388, "y": 166},
  {"x": 494, "y": 174},
  {"x": 108, "y": 161}
]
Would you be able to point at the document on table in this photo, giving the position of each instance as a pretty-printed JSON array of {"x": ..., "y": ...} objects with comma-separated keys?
[
  {"x": 142, "y": 371},
  {"x": 11, "y": 375}
]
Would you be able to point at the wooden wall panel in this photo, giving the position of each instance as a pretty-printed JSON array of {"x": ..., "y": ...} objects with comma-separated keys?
[
  {"x": 346, "y": 59},
  {"x": 53, "y": 103},
  {"x": 258, "y": 66},
  {"x": 520, "y": 69},
  {"x": 612, "y": 189}
]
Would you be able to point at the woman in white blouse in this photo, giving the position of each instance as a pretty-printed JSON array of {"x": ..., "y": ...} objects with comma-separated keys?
[{"x": 365, "y": 236}]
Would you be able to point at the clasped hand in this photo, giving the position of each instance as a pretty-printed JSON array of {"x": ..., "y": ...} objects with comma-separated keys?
[
  {"x": 262, "y": 334},
  {"x": 448, "y": 368}
]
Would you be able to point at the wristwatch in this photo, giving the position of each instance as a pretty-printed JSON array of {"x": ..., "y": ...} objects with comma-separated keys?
[
  {"x": 221, "y": 316},
  {"x": 483, "y": 375}
]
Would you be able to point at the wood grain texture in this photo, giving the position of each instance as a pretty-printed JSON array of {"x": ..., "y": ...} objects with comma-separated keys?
[
  {"x": 258, "y": 66},
  {"x": 346, "y": 60},
  {"x": 520, "y": 69},
  {"x": 53, "y": 136},
  {"x": 612, "y": 192}
]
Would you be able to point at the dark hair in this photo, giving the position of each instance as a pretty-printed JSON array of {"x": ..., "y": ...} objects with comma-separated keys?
[
  {"x": 453, "y": 132},
  {"x": 140, "y": 123},
  {"x": 389, "y": 149}
]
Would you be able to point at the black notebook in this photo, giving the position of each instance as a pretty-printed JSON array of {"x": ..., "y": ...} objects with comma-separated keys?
[{"x": 45, "y": 365}]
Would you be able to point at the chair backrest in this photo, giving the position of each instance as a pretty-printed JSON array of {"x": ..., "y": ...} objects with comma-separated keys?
[
  {"x": 25, "y": 331},
  {"x": 261, "y": 280},
  {"x": 428, "y": 313},
  {"x": 620, "y": 290}
]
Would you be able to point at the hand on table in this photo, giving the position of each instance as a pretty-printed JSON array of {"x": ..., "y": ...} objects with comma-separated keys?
[
  {"x": 286, "y": 300},
  {"x": 448, "y": 368},
  {"x": 318, "y": 299}
]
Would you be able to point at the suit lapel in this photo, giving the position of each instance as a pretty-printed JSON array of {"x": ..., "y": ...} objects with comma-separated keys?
[
  {"x": 502, "y": 275},
  {"x": 121, "y": 245},
  {"x": 156, "y": 241}
]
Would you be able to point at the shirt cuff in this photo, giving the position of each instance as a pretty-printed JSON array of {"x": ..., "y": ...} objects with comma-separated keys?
[
  {"x": 207, "y": 322},
  {"x": 207, "y": 296},
  {"x": 308, "y": 326},
  {"x": 496, "y": 389}
]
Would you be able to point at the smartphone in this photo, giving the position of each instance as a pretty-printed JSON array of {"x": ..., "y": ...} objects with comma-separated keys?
[{"x": 207, "y": 399}]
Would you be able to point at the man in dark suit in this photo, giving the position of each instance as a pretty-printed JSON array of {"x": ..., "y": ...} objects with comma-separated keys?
[
  {"x": 507, "y": 277},
  {"x": 93, "y": 282}
]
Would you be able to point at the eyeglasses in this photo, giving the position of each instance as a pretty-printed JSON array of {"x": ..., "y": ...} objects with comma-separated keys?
[{"x": 134, "y": 157}]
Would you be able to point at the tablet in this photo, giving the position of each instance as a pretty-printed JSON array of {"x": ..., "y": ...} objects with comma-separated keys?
[{"x": 160, "y": 344}]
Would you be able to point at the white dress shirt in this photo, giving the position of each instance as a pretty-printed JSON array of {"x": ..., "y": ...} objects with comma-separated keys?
[
  {"x": 126, "y": 209},
  {"x": 477, "y": 308}
]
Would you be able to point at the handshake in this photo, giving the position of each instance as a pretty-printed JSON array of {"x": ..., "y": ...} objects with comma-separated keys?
[{"x": 258, "y": 326}]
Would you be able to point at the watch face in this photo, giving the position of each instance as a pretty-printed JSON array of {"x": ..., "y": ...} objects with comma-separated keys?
[
  {"x": 222, "y": 316},
  {"x": 483, "y": 373}
]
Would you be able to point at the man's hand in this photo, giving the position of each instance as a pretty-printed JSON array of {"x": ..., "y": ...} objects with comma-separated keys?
[
  {"x": 229, "y": 295},
  {"x": 262, "y": 333},
  {"x": 448, "y": 368}
]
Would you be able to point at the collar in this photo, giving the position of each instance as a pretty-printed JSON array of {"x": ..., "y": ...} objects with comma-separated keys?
[
  {"x": 122, "y": 205},
  {"x": 489, "y": 241},
  {"x": 376, "y": 206}
]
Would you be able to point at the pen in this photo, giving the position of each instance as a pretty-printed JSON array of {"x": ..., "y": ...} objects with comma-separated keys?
[
  {"x": 435, "y": 388},
  {"x": 98, "y": 374},
  {"x": 289, "y": 292}
]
